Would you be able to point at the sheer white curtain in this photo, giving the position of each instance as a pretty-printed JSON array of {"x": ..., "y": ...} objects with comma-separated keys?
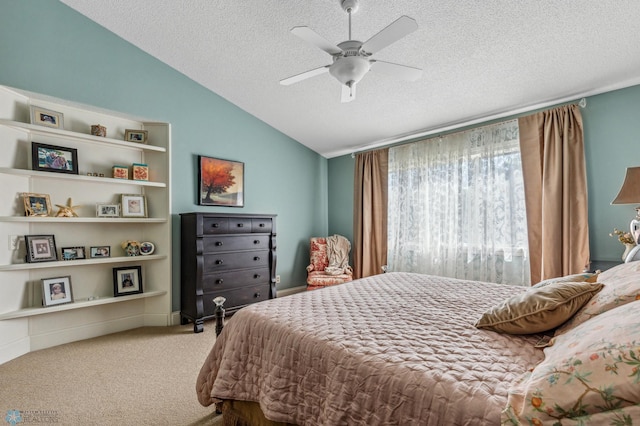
[{"x": 456, "y": 206}]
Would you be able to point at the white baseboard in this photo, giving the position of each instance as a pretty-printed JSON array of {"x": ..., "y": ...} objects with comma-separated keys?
[
  {"x": 291, "y": 290},
  {"x": 14, "y": 349}
]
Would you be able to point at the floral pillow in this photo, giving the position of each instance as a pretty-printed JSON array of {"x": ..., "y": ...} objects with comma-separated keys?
[
  {"x": 621, "y": 286},
  {"x": 589, "y": 375}
]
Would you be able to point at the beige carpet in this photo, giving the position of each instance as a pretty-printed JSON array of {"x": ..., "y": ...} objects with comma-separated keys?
[{"x": 144, "y": 376}]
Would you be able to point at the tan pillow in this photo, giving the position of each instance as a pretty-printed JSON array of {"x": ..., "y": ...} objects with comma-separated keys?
[{"x": 539, "y": 309}]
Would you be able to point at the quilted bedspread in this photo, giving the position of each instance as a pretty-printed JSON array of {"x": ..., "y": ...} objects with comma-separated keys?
[{"x": 394, "y": 349}]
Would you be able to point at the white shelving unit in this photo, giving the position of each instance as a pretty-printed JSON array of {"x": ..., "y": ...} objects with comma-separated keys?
[{"x": 25, "y": 323}]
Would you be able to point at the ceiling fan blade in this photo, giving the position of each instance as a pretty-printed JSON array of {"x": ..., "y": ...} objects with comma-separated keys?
[
  {"x": 303, "y": 76},
  {"x": 403, "y": 72},
  {"x": 394, "y": 32},
  {"x": 348, "y": 93},
  {"x": 310, "y": 36}
]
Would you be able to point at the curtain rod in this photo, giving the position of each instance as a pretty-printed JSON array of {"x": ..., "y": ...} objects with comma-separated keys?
[{"x": 582, "y": 103}]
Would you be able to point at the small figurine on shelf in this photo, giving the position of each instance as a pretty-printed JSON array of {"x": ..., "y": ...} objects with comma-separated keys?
[
  {"x": 131, "y": 247},
  {"x": 68, "y": 210},
  {"x": 98, "y": 130}
]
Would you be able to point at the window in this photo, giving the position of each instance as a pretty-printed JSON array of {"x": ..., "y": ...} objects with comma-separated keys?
[{"x": 456, "y": 206}]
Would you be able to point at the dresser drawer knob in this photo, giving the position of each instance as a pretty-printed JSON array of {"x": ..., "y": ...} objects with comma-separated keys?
[
  {"x": 219, "y": 243},
  {"x": 256, "y": 258},
  {"x": 256, "y": 276},
  {"x": 241, "y": 225},
  {"x": 256, "y": 241},
  {"x": 262, "y": 225},
  {"x": 256, "y": 295},
  {"x": 215, "y": 225},
  {"x": 219, "y": 281},
  {"x": 219, "y": 262}
]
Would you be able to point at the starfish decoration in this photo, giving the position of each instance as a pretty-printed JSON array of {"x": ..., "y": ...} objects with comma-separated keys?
[{"x": 68, "y": 210}]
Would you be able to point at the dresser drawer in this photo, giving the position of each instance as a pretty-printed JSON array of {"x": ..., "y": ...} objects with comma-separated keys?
[
  {"x": 235, "y": 260},
  {"x": 214, "y": 244},
  {"x": 261, "y": 225},
  {"x": 236, "y": 298},
  {"x": 234, "y": 279}
]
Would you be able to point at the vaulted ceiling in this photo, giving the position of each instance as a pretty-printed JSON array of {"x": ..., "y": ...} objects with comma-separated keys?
[{"x": 480, "y": 59}]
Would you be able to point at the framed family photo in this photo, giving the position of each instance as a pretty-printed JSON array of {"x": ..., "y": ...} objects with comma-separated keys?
[
  {"x": 100, "y": 251},
  {"x": 139, "y": 136},
  {"x": 108, "y": 210},
  {"x": 72, "y": 253},
  {"x": 127, "y": 280},
  {"x": 51, "y": 158},
  {"x": 46, "y": 117},
  {"x": 134, "y": 205},
  {"x": 56, "y": 291},
  {"x": 40, "y": 248},
  {"x": 36, "y": 204},
  {"x": 220, "y": 182}
]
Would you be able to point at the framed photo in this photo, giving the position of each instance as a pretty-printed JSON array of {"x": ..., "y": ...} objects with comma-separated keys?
[
  {"x": 100, "y": 251},
  {"x": 51, "y": 158},
  {"x": 46, "y": 117},
  {"x": 127, "y": 280},
  {"x": 107, "y": 210},
  {"x": 56, "y": 291},
  {"x": 134, "y": 205},
  {"x": 72, "y": 253},
  {"x": 220, "y": 182},
  {"x": 36, "y": 204},
  {"x": 139, "y": 136},
  {"x": 40, "y": 248}
]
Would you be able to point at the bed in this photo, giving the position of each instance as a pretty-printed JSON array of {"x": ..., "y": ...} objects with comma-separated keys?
[{"x": 393, "y": 349}]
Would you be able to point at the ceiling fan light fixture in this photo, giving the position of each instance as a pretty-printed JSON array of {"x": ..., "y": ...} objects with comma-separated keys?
[{"x": 349, "y": 69}]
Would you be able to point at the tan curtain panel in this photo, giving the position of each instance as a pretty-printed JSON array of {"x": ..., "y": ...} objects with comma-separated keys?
[
  {"x": 370, "y": 213},
  {"x": 552, "y": 147}
]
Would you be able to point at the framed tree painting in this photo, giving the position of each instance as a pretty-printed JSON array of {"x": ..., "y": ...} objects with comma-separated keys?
[{"x": 220, "y": 182}]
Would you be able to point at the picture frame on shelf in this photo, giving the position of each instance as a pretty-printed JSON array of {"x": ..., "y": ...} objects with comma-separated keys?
[
  {"x": 139, "y": 136},
  {"x": 220, "y": 182},
  {"x": 46, "y": 117},
  {"x": 56, "y": 291},
  {"x": 134, "y": 205},
  {"x": 100, "y": 251},
  {"x": 52, "y": 158},
  {"x": 40, "y": 248},
  {"x": 72, "y": 253},
  {"x": 36, "y": 204},
  {"x": 127, "y": 280},
  {"x": 107, "y": 210}
]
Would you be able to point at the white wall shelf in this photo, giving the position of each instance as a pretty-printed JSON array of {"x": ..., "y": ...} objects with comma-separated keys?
[
  {"x": 25, "y": 323},
  {"x": 93, "y": 179},
  {"x": 80, "y": 262},
  {"x": 29, "y": 312},
  {"x": 65, "y": 134}
]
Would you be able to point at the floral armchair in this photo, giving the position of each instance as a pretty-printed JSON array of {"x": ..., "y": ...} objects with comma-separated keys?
[{"x": 329, "y": 263}]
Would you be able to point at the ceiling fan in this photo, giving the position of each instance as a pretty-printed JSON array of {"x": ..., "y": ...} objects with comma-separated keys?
[{"x": 352, "y": 59}]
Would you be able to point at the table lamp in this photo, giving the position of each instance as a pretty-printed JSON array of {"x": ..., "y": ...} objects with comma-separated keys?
[{"x": 630, "y": 194}]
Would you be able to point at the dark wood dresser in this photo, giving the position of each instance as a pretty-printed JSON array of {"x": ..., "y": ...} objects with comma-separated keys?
[{"x": 228, "y": 255}]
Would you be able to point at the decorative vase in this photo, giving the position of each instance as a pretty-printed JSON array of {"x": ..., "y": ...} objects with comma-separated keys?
[
  {"x": 132, "y": 250},
  {"x": 627, "y": 249}
]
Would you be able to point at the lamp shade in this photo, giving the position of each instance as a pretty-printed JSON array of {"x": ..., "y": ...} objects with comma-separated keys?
[{"x": 630, "y": 190}]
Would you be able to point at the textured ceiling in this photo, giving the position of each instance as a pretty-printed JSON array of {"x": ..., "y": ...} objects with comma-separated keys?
[{"x": 480, "y": 59}]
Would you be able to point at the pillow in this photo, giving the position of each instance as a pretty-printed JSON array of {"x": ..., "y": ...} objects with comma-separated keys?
[
  {"x": 539, "y": 309},
  {"x": 621, "y": 286},
  {"x": 575, "y": 278},
  {"x": 589, "y": 370}
]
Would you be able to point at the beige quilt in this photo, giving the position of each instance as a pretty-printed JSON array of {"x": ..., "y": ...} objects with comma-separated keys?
[{"x": 394, "y": 349}]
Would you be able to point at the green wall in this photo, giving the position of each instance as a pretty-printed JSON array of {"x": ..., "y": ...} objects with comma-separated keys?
[
  {"x": 49, "y": 48},
  {"x": 611, "y": 133}
]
